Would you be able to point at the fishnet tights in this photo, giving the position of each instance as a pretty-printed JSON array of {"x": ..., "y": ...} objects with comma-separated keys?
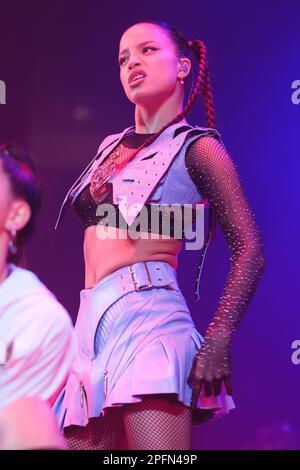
[
  {"x": 159, "y": 421},
  {"x": 103, "y": 433}
]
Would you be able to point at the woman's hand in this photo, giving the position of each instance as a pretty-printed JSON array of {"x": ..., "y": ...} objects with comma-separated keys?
[{"x": 211, "y": 366}]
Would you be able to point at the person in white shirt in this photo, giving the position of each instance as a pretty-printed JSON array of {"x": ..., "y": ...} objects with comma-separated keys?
[{"x": 37, "y": 340}]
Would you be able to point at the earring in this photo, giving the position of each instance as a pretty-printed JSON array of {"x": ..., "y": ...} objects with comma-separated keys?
[
  {"x": 12, "y": 244},
  {"x": 183, "y": 69}
]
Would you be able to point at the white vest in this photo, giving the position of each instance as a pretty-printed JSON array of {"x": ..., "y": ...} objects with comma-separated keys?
[{"x": 138, "y": 182}]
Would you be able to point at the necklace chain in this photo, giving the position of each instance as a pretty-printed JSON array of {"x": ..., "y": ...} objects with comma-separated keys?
[{"x": 99, "y": 187}]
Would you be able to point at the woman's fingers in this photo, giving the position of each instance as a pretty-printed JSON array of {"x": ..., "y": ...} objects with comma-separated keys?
[
  {"x": 212, "y": 387},
  {"x": 208, "y": 387},
  {"x": 228, "y": 385},
  {"x": 217, "y": 386},
  {"x": 196, "y": 388}
]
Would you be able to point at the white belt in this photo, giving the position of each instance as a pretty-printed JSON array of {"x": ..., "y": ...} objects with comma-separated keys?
[{"x": 139, "y": 276}]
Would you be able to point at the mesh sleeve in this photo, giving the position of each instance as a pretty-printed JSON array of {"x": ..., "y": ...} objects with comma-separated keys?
[{"x": 214, "y": 173}]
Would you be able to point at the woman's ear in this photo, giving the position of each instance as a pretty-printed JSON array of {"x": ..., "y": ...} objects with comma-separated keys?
[
  {"x": 18, "y": 216},
  {"x": 184, "y": 67}
]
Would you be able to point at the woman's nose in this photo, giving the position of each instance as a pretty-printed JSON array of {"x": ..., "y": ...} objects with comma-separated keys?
[{"x": 133, "y": 61}]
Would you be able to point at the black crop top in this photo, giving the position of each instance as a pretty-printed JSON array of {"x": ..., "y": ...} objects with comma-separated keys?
[{"x": 86, "y": 207}]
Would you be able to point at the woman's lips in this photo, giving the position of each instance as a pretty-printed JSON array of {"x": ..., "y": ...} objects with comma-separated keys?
[{"x": 136, "y": 82}]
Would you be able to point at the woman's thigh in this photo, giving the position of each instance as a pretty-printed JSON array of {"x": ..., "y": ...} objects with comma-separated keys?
[
  {"x": 103, "y": 433},
  {"x": 159, "y": 421}
]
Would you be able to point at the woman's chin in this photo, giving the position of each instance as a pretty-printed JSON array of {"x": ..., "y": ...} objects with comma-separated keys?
[{"x": 141, "y": 98}]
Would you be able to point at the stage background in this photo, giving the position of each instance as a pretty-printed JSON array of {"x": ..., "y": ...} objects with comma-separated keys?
[{"x": 59, "y": 63}]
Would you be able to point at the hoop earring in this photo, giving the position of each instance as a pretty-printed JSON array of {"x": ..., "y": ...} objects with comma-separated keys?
[{"x": 12, "y": 244}]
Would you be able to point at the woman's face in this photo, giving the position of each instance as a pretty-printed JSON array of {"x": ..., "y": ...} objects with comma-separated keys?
[
  {"x": 146, "y": 46},
  {"x": 6, "y": 198},
  {"x": 14, "y": 212}
]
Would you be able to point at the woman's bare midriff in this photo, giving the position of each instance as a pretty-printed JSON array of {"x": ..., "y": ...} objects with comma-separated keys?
[{"x": 107, "y": 249}]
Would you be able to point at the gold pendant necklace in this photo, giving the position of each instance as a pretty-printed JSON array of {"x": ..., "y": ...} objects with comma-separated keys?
[{"x": 99, "y": 187}]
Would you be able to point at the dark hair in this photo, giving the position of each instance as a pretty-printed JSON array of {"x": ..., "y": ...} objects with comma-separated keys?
[
  {"x": 183, "y": 49},
  {"x": 20, "y": 171}
]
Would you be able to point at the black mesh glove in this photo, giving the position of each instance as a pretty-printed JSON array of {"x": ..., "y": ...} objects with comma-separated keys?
[{"x": 211, "y": 366}]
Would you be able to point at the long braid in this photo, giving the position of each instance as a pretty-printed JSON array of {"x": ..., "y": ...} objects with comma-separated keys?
[
  {"x": 208, "y": 101},
  {"x": 199, "y": 48}
]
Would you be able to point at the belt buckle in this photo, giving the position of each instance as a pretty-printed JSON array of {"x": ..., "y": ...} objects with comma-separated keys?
[{"x": 135, "y": 283}]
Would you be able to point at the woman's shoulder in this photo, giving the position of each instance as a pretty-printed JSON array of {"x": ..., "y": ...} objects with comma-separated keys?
[
  {"x": 24, "y": 288},
  {"x": 206, "y": 131},
  {"x": 202, "y": 140}
]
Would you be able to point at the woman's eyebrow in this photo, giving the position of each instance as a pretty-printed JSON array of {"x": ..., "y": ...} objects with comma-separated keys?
[{"x": 141, "y": 44}]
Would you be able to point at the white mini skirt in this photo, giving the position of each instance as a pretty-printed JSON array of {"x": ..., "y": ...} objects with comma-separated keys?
[{"x": 135, "y": 337}]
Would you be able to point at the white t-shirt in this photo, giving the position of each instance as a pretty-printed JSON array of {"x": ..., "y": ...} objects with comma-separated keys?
[{"x": 37, "y": 339}]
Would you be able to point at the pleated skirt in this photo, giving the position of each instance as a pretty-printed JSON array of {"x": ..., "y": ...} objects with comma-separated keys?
[{"x": 141, "y": 343}]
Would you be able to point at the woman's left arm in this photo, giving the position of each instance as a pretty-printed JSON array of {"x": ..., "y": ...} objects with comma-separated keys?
[{"x": 215, "y": 175}]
